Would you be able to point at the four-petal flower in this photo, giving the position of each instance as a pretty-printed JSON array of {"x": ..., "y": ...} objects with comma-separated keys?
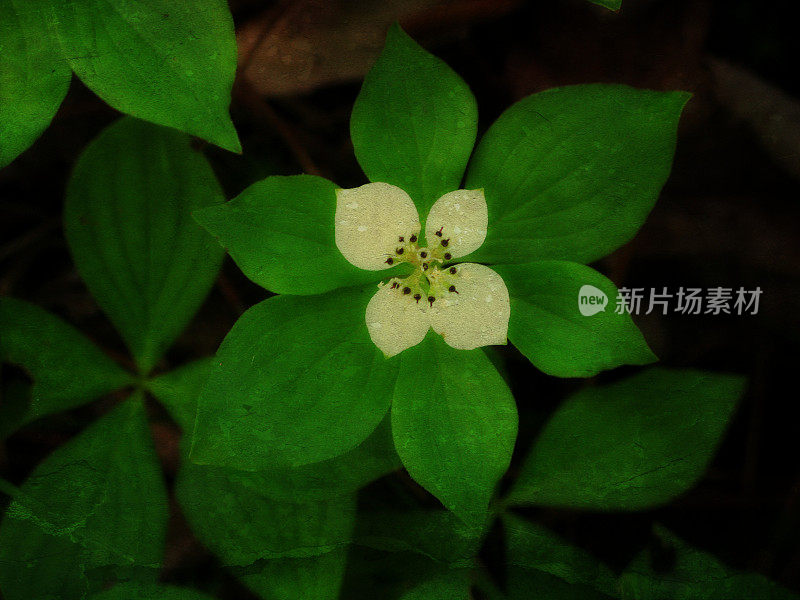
[{"x": 377, "y": 226}]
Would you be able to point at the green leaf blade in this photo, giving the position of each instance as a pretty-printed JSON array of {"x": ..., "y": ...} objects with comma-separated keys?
[
  {"x": 67, "y": 369},
  {"x": 547, "y": 326},
  {"x": 630, "y": 445},
  {"x": 454, "y": 423},
  {"x": 414, "y": 122},
  {"x": 92, "y": 512},
  {"x": 280, "y": 232},
  {"x": 452, "y": 585},
  {"x": 169, "y": 63},
  {"x": 345, "y": 474},
  {"x": 373, "y": 458},
  {"x": 128, "y": 223},
  {"x": 614, "y": 5},
  {"x": 33, "y": 76},
  {"x": 278, "y": 549},
  {"x": 436, "y": 534},
  {"x": 298, "y": 381},
  {"x": 140, "y": 591},
  {"x": 541, "y": 563},
  {"x": 571, "y": 173}
]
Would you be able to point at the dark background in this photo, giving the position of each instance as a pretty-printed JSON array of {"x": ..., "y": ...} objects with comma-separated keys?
[{"x": 729, "y": 216}]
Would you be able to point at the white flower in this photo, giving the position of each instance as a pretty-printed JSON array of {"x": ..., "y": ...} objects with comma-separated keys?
[{"x": 377, "y": 227}]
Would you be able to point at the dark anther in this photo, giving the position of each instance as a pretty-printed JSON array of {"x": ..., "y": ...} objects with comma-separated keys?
[
  {"x": 424, "y": 266},
  {"x": 417, "y": 297},
  {"x": 402, "y": 239},
  {"x": 452, "y": 270},
  {"x": 439, "y": 233},
  {"x": 406, "y": 290},
  {"x": 445, "y": 242},
  {"x": 395, "y": 285},
  {"x": 399, "y": 250},
  {"x": 447, "y": 256},
  {"x": 452, "y": 288},
  {"x": 389, "y": 260},
  {"x": 413, "y": 238},
  {"x": 431, "y": 299},
  {"x": 423, "y": 254}
]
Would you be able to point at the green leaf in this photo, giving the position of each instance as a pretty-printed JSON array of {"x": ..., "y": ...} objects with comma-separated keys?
[
  {"x": 332, "y": 478},
  {"x": 453, "y": 585},
  {"x": 541, "y": 564},
  {"x": 454, "y": 424},
  {"x": 33, "y": 76},
  {"x": 609, "y": 4},
  {"x": 171, "y": 63},
  {"x": 436, "y": 534},
  {"x": 298, "y": 381},
  {"x": 93, "y": 512},
  {"x": 414, "y": 122},
  {"x": 129, "y": 226},
  {"x": 313, "y": 578},
  {"x": 572, "y": 173},
  {"x": 67, "y": 369},
  {"x": 549, "y": 328},
  {"x": 178, "y": 390},
  {"x": 344, "y": 474},
  {"x": 278, "y": 549},
  {"x": 280, "y": 231},
  {"x": 629, "y": 445},
  {"x": 139, "y": 591},
  {"x": 242, "y": 525},
  {"x": 374, "y": 457},
  {"x": 692, "y": 575},
  {"x": 393, "y": 573}
]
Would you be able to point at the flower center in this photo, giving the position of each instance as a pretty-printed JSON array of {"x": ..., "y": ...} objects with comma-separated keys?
[{"x": 430, "y": 279}]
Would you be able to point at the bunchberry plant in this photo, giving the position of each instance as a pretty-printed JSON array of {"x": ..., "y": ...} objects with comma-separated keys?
[
  {"x": 95, "y": 511},
  {"x": 375, "y": 352},
  {"x": 562, "y": 178}
]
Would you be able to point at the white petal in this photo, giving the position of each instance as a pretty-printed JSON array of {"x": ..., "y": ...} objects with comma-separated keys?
[
  {"x": 395, "y": 320},
  {"x": 475, "y": 316},
  {"x": 462, "y": 217},
  {"x": 370, "y": 221}
]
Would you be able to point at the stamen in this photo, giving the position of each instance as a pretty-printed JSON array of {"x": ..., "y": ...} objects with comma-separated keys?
[
  {"x": 417, "y": 297},
  {"x": 399, "y": 250},
  {"x": 431, "y": 299},
  {"x": 452, "y": 288},
  {"x": 413, "y": 238},
  {"x": 423, "y": 254},
  {"x": 395, "y": 285},
  {"x": 439, "y": 233},
  {"x": 447, "y": 256},
  {"x": 424, "y": 266},
  {"x": 402, "y": 239},
  {"x": 445, "y": 242},
  {"x": 453, "y": 270},
  {"x": 406, "y": 290},
  {"x": 389, "y": 260}
]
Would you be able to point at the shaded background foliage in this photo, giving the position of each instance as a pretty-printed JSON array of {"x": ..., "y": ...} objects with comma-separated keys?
[{"x": 728, "y": 216}]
